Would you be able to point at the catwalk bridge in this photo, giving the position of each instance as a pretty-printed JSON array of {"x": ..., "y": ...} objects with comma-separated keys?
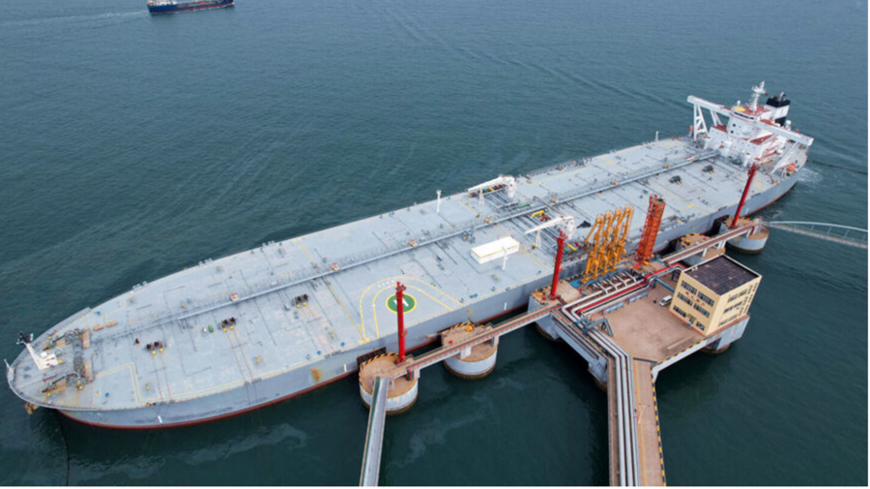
[{"x": 837, "y": 233}]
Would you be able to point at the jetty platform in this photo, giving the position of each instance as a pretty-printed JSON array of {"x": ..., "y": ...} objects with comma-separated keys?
[{"x": 629, "y": 325}]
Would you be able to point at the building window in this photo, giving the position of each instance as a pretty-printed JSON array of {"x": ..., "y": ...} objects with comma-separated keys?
[
  {"x": 684, "y": 298},
  {"x": 727, "y": 321},
  {"x": 689, "y": 288},
  {"x": 701, "y": 310},
  {"x": 731, "y": 308},
  {"x": 679, "y": 311},
  {"x": 704, "y": 298},
  {"x": 737, "y": 296}
]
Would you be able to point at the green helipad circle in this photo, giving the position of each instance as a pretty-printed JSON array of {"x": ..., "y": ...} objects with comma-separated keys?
[{"x": 409, "y": 303}]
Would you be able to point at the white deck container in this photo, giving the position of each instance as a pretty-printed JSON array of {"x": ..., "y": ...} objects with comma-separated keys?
[{"x": 495, "y": 249}]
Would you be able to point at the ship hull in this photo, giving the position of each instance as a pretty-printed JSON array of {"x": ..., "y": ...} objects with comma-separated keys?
[
  {"x": 260, "y": 394},
  {"x": 189, "y": 6}
]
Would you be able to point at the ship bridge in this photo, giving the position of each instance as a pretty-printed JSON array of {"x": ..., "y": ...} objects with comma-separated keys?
[{"x": 753, "y": 133}]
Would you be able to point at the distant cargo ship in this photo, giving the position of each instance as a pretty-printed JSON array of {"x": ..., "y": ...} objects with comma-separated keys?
[{"x": 170, "y": 6}]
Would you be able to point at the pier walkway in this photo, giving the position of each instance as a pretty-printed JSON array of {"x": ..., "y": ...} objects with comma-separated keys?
[
  {"x": 620, "y": 370},
  {"x": 651, "y": 457},
  {"x": 636, "y": 457},
  {"x": 375, "y": 433}
]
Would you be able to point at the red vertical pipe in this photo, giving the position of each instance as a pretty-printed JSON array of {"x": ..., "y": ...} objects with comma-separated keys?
[
  {"x": 752, "y": 170},
  {"x": 560, "y": 247},
  {"x": 400, "y": 310}
]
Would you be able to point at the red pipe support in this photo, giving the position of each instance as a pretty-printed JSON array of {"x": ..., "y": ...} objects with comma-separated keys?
[
  {"x": 400, "y": 312},
  {"x": 752, "y": 170},
  {"x": 560, "y": 248}
]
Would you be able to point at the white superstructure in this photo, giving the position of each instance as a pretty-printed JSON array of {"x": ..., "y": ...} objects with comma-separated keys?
[{"x": 752, "y": 133}]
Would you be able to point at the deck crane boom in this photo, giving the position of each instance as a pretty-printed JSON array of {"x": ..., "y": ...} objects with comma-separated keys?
[
  {"x": 566, "y": 227},
  {"x": 565, "y": 224},
  {"x": 508, "y": 181}
]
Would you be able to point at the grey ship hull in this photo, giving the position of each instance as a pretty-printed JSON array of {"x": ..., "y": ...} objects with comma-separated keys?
[{"x": 320, "y": 373}]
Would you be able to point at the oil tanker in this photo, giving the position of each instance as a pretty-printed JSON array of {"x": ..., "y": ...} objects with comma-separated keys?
[{"x": 233, "y": 334}]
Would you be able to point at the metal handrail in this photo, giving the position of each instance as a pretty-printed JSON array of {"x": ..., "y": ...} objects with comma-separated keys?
[
  {"x": 823, "y": 230},
  {"x": 806, "y": 223}
]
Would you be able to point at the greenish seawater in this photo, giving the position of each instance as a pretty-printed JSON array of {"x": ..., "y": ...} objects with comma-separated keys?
[{"x": 132, "y": 146}]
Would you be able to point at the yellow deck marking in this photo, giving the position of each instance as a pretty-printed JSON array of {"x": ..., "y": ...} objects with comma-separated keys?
[
  {"x": 375, "y": 309},
  {"x": 429, "y": 296},
  {"x": 134, "y": 376},
  {"x": 375, "y": 298},
  {"x": 299, "y": 242},
  {"x": 399, "y": 277},
  {"x": 112, "y": 370}
]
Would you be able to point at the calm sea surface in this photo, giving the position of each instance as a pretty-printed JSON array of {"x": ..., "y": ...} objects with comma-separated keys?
[{"x": 132, "y": 146}]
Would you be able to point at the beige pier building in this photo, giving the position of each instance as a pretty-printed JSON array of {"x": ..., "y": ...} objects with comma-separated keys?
[{"x": 714, "y": 294}]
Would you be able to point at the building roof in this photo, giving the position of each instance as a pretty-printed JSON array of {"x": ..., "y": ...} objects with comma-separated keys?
[{"x": 722, "y": 274}]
